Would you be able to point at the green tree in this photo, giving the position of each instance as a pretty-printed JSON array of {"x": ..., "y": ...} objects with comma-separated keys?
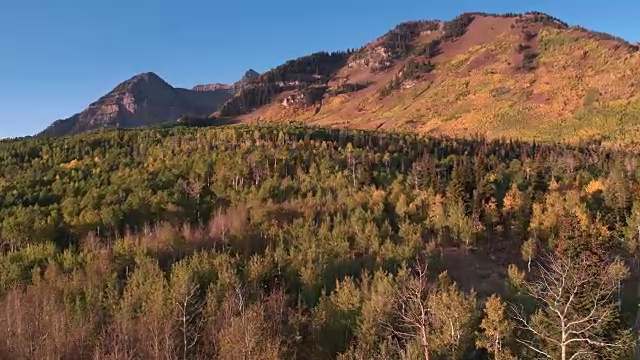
[
  {"x": 453, "y": 317},
  {"x": 497, "y": 330}
]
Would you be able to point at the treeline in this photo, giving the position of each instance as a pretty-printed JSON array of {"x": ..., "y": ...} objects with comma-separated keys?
[
  {"x": 457, "y": 27},
  {"x": 535, "y": 17},
  {"x": 608, "y": 37},
  {"x": 398, "y": 41},
  {"x": 429, "y": 50},
  {"x": 300, "y": 73},
  {"x": 291, "y": 242},
  {"x": 249, "y": 98},
  {"x": 346, "y": 88},
  {"x": 321, "y": 64}
]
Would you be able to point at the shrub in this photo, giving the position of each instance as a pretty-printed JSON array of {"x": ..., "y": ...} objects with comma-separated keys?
[{"x": 529, "y": 61}]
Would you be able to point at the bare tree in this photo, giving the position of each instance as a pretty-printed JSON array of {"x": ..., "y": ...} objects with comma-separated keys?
[
  {"x": 577, "y": 306},
  {"x": 248, "y": 330},
  {"x": 413, "y": 310},
  {"x": 188, "y": 311}
]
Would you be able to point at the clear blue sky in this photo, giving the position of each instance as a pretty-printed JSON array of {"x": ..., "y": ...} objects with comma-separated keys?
[{"x": 56, "y": 57}]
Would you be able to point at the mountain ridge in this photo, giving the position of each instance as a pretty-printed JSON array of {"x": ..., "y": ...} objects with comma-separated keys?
[
  {"x": 144, "y": 99},
  {"x": 526, "y": 75},
  {"x": 248, "y": 76}
]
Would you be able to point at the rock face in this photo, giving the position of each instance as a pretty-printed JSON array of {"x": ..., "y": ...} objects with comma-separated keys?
[
  {"x": 246, "y": 78},
  {"x": 212, "y": 87},
  {"x": 145, "y": 99}
]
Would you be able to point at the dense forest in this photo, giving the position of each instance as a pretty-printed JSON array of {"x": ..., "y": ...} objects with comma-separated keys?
[{"x": 276, "y": 242}]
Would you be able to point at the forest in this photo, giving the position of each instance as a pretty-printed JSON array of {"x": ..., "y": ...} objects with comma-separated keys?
[{"x": 293, "y": 242}]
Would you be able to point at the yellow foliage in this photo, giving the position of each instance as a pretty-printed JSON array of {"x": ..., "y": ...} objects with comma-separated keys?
[
  {"x": 437, "y": 210},
  {"x": 70, "y": 165},
  {"x": 583, "y": 217},
  {"x": 594, "y": 186},
  {"x": 513, "y": 200},
  {"x": 378, "y": 196}
]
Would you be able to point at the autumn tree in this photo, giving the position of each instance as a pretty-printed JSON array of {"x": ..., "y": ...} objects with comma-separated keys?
[{"x": 497, "y": 330}]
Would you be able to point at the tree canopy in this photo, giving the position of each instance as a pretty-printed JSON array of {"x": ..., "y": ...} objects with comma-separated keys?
[{"x": 270, "y": 242}]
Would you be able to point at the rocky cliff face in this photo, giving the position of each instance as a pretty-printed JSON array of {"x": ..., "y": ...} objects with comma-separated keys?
[
  {"x": 212, "y": 87},
  {"x": 145, "y": 99},
  {"x": 248, "y": 76}
]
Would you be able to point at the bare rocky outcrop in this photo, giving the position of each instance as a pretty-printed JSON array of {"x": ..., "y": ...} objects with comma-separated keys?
[
  {"x": 212, "y": 87},
  {"x": 248, "y": 76}
]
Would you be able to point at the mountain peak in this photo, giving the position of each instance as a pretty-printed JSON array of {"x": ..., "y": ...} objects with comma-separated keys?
[
  {"x": 149, "y": 77},
  {"x": 144, "y": 99},
  {"x": 147, "y": 80}
]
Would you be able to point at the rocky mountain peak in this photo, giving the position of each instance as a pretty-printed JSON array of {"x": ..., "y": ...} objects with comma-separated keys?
[
  {"x": 141, "y": 82},
  {"x": 144, "y": 99}
]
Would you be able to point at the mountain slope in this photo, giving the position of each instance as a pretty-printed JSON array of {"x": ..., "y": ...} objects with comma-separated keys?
[
  {"x": 145, "y": 99},
  {"x": 528, "y": 76}
]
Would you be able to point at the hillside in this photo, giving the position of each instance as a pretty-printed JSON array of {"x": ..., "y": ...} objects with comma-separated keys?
[
  {"x": 145, "y": 99},
  {"x": 528, "y": 76}
]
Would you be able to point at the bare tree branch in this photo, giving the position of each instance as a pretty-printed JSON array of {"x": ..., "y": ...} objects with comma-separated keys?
[{"x": 576, "y": 301}]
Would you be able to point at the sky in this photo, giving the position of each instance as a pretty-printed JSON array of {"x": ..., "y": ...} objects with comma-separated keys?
[{"x": 56, "y": 57}]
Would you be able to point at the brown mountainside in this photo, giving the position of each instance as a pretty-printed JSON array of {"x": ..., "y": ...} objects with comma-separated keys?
[{"x": 530, "y": 76}]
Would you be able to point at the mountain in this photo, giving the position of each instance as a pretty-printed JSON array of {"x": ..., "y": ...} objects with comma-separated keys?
[
  {"x": 527, "y": 75},
  {"x": 145, "y": 99}
]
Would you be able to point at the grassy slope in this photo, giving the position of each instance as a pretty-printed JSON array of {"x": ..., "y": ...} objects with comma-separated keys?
[{"x": 584, "y": 87}]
